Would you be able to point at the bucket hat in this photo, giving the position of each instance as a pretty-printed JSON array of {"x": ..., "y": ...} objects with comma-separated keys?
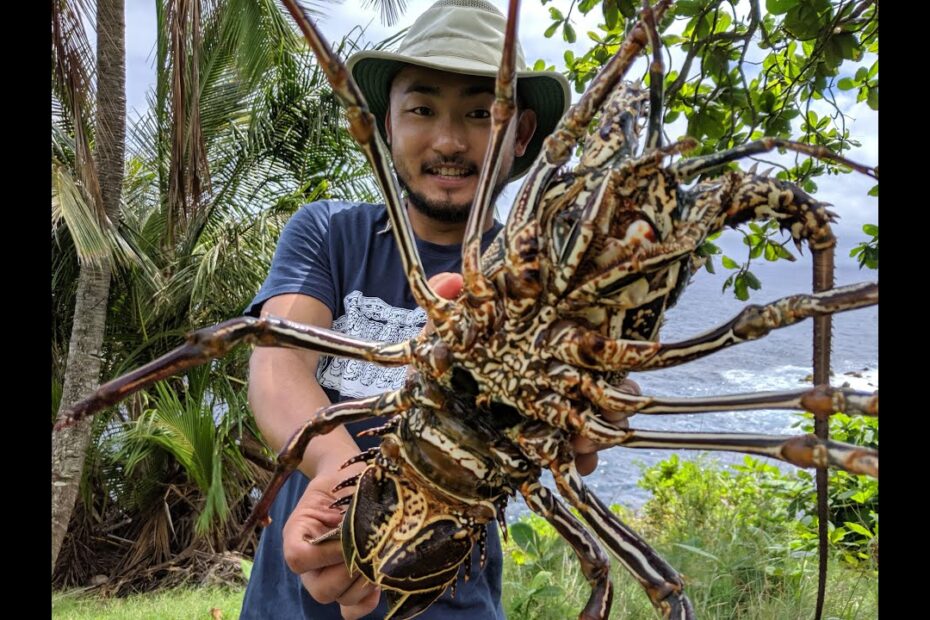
[{"x": 463, "y": 36}]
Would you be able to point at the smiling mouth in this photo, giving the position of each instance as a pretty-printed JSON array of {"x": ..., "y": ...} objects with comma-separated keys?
[{"x": 449, "y": 171}]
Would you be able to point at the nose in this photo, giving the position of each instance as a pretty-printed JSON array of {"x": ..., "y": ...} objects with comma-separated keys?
[{"x": 450, "y": 138}]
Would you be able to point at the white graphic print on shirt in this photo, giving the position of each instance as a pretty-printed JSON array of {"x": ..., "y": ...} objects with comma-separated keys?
[{"x": 369, "y": 318}]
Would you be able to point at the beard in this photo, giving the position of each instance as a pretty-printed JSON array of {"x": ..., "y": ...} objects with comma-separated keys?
[{"x": 445, "y": 211}]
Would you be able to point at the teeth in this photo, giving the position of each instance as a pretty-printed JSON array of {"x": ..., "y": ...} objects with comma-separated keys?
[{"x": 449, "y": 172}]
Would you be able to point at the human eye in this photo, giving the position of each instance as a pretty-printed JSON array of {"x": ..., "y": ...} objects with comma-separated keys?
[
  {"x": 421, "y": 110},
  {"x": 480, "y": 114}
]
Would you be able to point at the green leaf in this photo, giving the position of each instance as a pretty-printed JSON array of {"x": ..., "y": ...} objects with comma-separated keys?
[
  {"x": 872, "y": 97},
  {"x": 551, "y": 30},
  {"x": 568, "y": 33},
  {"x": 523, "y": 535},
  {"x": 855, "y": 527},
  {"x": 803, "y": 21},
  {"x": 846, "y": 84},
  {"x": 770, "y": 252},
  {"x": 585, "y": 6},
  {"x": 870, "y": 229},
  {"x": 756, "y": 250},
  {"x": 689, "y": 8},
  {"x": 783, "y": 252},
  {"x": 611, "y": 14},
  {"x": 739, "y": 287},
  {"x": 752, "y": 281},
  {"x": 874, "y": 191},
  {"x": 627, "y": 8},
  {"x": 729, "y": 263},
  {"x": 777, "y": 7},
  {"x": 539, "y": 65},
  {"x": 556, "y": 14},
  {"x": 716, "y": 61},
  {"x": 848, "y": 46},
  {"x": 727, "y": 283},
  {"x": 549, "y": 592},
  {"x": 540, "y": 580}
]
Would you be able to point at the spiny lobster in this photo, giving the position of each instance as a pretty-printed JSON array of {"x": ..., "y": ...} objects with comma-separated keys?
[{"x": 566, "y": 301}]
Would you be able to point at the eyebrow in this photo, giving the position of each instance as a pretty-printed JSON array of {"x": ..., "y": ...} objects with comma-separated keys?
[{"x": 468, "y": 91}]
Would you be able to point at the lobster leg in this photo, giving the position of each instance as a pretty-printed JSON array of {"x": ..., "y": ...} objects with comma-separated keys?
[
  {"x": 479, "y": 292},
  {"x": 661, "y": 582},
  {"x": 557, "y": 150},
  {"x": 656, "y": 83},
  {"x": 589, "y": 349},
  {"x": 213, "y": 342},
  {"x": 799, "y": 450},
  {"x": 617, "y": 133},
  {"x": 327, "y": 419},
  {"x": 687, "y": 169},
  {"x": 822, "y": 332},
  {"x": 822, "y": 401},
  {"x": 364, "y": 129},
  {"x": 594, "y": 562}
]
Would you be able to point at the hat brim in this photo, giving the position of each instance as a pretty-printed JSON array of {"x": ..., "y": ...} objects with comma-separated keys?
[{"x": 545, "y": 92}]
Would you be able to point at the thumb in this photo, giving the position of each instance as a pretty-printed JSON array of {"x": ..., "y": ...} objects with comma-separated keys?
[{"x": 447, "y": 285}]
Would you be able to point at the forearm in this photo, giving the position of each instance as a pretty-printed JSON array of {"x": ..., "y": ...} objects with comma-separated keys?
[{"x": 284, "y": 394}]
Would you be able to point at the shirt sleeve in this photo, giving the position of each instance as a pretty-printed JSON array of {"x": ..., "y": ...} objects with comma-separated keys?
[{"x": 301, "y": 260}]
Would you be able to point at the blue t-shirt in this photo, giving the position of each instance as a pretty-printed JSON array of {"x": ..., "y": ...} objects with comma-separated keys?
[{"x": 344, "y": 254}]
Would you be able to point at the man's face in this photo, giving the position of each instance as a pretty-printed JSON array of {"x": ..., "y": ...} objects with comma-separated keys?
[{"x": 438, "y": 128}]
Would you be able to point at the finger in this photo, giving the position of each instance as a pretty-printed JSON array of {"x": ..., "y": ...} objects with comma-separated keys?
[
  {"x": 359, "y": 591},
  {"x": 630, "y": 387},
  {"x": 363, "y": 608},
  {"x": 300, "y": 553},
  {"x": 307, "y": 556},
  {"x": 326, "y": 585},
  {"x": 617, "y": 418},
  {"x": 586, "y": 463},
  {"x": 583, "y": 445}
]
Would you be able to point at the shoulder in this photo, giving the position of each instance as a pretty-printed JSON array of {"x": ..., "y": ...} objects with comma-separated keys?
[{"x": 335, "y": 214}]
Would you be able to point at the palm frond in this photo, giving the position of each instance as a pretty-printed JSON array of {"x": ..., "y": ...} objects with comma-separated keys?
[
  {"x": 391, "y": 10},
  {"x": 74, "y": 92},
  {"x": 95, "y": 242}
]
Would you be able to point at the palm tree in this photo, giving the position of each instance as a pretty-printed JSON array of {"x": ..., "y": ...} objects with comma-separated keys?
[
  {"x": 101, "y": 175},
  {"x": 241, "y": 130}
]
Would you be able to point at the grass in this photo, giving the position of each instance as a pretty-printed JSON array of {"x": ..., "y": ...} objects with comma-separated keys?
[
  {"x": 725, "y": 580},
  {"x": 178, "y": 604}
]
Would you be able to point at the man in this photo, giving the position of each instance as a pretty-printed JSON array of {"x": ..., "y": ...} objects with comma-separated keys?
[{"x": 338, "y": 260}]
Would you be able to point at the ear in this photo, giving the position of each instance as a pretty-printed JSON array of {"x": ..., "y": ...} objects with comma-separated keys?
[
  {"x": 387, "y": 126},
  {"x": 526, "y": 127}
]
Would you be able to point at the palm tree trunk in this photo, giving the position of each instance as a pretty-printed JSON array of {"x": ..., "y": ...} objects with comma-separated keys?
[{"x": 82, "y": 372}]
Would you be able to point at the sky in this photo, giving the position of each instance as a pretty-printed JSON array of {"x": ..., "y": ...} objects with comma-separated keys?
[{"x": 847, "y": 193}]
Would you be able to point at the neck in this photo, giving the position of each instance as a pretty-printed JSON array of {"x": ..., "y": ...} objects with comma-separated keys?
[{"x": 441, "y": 233}]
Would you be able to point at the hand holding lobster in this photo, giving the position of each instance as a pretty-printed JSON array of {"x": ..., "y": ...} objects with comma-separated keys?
[{"x": 321, "y": 567}]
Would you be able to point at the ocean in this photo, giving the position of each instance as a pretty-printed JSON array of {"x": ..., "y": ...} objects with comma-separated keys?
[{"x": 780, "y": 361}]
